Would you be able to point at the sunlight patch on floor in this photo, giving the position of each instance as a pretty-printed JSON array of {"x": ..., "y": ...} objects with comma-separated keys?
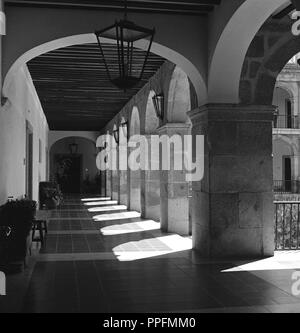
[
  {"x": 281, "y": 260},
  {"x": 108, "y": 208},
  {"x": 96, "y": 199},
  {"x": 116, "y": 216},
  {"x": 126, "y": 228},
  {"x": 101, "y": 203},
  {"x": 153, "y": 247}
]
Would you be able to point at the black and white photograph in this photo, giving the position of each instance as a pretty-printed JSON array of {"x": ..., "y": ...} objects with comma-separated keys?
[{"x": 149, "y": 159}]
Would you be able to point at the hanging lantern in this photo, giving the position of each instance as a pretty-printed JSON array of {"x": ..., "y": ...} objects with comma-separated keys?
[
  {"x": 158, "y": 102},
  {"x": 73, "y": 147},
  {"x": 130, "y": 61}
]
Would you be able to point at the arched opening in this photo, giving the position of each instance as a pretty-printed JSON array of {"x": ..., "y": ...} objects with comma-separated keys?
[
  {"x": 135, "y": 175},
  {"x": 174, "y": 188},
  {"x": 284, "y": 168},
  {"x": 151, "y": 119},
  {"x": 158, "y": 49},
  {"x": 179, "y": 97},
  {"x": 284, "y": 116},
  {"x": 269, "y": 76},
  {"x": 150, "y": 185},
  {"x": 73, "y": 167},
  {"x": 230, "y": 44},
  {"x": 123, "y": 156}
]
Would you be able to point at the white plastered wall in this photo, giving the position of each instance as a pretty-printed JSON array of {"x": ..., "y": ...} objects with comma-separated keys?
[{"x": 22, "y": 104}]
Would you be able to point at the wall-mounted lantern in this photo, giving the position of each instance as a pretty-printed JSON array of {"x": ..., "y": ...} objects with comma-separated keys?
[
  {"x": 158, "y": 102},
  {"x": 124, "y": 126},
  {"x": 116, "y": 135},
  {"x": 73, "y": 147}
]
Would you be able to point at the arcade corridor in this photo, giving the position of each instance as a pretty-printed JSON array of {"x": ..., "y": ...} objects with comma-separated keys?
[
  {"x": 175, "y": 124},
  {"x": 104, "y": 261}
]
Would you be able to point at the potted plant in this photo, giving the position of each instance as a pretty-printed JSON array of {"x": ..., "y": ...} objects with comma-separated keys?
[
  {"x": 50, "y": 195},
  {"x": 15, "y": 230},
  {"x": 53, "y": 198}
]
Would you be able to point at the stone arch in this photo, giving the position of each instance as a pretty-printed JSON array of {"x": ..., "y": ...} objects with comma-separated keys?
[
  {"x": 87, "y": 161},
  {"x": 151, "y": 119},
  {"x": 161, "y": 50},
  {"x": 179, "y": 97},
  {"x": 134, "y": 175},
  {"x": 272, "y": 48},
  {"x": 232, "y": 43},
  {"x": 55, "y": 136}
]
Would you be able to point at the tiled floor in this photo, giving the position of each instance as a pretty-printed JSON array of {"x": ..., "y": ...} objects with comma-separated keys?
[{"x": 100, "y": 258}]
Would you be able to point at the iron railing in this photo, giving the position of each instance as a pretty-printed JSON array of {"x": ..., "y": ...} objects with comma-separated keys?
[
  {"x": 283, "y": 121},
  {"x": 286, "y": 186},
  {"x": 287, "y": 225}
]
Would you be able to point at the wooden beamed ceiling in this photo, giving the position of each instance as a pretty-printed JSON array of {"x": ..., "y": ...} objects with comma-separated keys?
[
  {"x": 74, "y": 89},
  {"x": 182, "y": 7},
  {"x": 72, "y": 82}
]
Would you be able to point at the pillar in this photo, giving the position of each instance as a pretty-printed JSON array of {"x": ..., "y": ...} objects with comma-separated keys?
[
  {"x": 134, "y": 183},
  {"x": 232, "y": 207},
  {"x": 123, "y": 185},
  {"x": 135, "y": 190},
  {"x": 108, "y": 184},
  {"x": 174, "y": 187},
  {"x": 103, "y": 183},
  {"x": 150, "y": 188},
  {"x": 115, "y": 183}
]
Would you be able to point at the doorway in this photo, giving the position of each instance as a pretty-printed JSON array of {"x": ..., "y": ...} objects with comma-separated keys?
[
  {"x": 289, "y": 118},
  {"x": 68, "y": 172},
  {"x": 287, "y": 173},
  {"x": 29, "y": 161}
]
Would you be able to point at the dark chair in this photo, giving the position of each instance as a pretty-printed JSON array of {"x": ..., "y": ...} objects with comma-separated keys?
[{"x": 40, "y": 225}]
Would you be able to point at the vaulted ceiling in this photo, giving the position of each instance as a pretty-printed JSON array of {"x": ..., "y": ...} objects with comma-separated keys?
[
  {"x": 189, "y": 7},
  {"x": 74, "y": 89}
]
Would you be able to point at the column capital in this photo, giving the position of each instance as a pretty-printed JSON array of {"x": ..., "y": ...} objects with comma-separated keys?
[{"x": 232, "y": 112}]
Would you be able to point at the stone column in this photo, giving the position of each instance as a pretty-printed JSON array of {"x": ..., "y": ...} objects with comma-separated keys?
[
  {"x": 134, "y": 181},
  {"x": 174, "y": 199},
  {"x": 233, "y": 213},
  {"x": 108, "y": 184},
  {"x": 135, "y": 190},
  {"x": 115, "y": 183},
  {"x": 150, "y": 187},
  {"x": 103, "y": 183},
  {"x": 123, "y": 186}
]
